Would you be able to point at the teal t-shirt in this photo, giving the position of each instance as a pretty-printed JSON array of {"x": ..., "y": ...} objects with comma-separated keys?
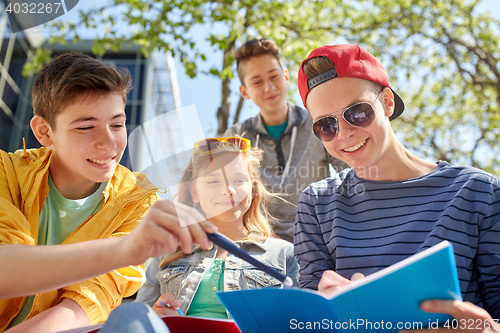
[
  {"x": 276, "y": 131},
  {"x": 58, "y": 219},
  {"x": 61, "y": 216},
  {"x": 205, "y": 303}
]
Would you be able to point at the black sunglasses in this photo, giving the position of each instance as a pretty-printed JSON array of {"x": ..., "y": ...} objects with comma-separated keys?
[{"x": 359, "y": 115}]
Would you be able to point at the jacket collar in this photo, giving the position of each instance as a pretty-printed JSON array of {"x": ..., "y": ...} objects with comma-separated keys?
[
  {"x": 124, "y": 181},
  {"x": 248, "y": 242},
  {"x": 261, "y": 244},
  {"x": 32, "y": 166}
]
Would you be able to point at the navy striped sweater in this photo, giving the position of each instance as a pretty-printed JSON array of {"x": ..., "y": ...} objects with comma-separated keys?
[{"x": 348, "y": 224}]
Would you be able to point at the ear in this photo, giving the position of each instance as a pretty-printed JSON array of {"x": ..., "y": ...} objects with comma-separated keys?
[
  {"x": 243, "y": 92},
  {"x": 42, "y": 130},
  {"x": 388, "y": 102},
  {"x": 286, "y": 74},
  {"x": 194, "y": 194}
]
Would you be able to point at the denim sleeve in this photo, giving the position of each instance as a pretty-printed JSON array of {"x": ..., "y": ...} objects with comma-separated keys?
[
  {"x": 311, "y": 252},
  {"x": 292, "y": 269},
  {"x": 150, "y": 291}
]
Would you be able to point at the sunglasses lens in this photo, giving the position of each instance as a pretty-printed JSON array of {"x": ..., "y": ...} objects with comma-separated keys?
[
  {"x": 208, "y": 145},
  {"x": 237, "y": 143},
  {"x": 360, "y": 115},
  {"x": 325, "y": 129}
]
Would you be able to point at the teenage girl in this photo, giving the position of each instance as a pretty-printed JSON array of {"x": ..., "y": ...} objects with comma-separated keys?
[{"x": 222, "y": 181}]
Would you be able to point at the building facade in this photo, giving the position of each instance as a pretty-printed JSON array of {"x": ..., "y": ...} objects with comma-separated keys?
[{"x": 155, "y": 90}]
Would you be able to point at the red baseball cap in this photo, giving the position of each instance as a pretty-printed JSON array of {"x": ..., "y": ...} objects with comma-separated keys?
[{"x": 350, "y": 61}]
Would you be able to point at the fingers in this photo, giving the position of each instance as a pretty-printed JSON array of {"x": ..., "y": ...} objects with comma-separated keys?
[
  {"x": 167, "y": 305},
  {"x": 158, "y": 231},
  {"x": 331, "y": 282},
  {"x": 165, "y": 226},
  {"x": 357, "y": 276},
  {"x": 183, "y": 222},
  {"x": 464, "y": 313},
  {"x": 196, "y": 224},
  {"x": 457, "y": 309}
]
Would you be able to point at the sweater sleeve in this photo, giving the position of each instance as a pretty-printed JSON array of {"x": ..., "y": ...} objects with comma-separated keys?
[
  {"x": 488, "y": 256},
  {"x": 310, "y": 250}
]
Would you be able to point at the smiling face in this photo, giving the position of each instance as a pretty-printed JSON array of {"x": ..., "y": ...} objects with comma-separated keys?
[
  {"x": 359, "y": 147},
  {"x": 265, "y": 83},
  {"x": 225, "y": 194},
  {"x": 88, "y": 141}
]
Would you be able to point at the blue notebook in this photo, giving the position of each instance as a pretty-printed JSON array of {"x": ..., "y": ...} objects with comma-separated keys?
[{"x": 388, "y": 300}]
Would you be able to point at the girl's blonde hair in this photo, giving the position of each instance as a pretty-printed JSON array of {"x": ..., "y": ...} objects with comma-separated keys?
[{"x": 256, "y": 218}]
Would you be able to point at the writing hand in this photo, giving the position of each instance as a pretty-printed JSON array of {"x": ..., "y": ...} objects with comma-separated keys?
[
  {"x": 167, "y": 305},
  {"x": 166, "y": 225}
]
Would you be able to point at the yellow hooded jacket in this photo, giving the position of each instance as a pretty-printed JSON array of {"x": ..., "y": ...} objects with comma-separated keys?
[{"x": 23, "y": 189}]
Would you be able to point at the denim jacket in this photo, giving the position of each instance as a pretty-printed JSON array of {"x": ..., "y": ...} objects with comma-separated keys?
[{"x": 181, "y": 278}]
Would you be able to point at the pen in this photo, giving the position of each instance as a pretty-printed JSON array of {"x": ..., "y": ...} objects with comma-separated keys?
[
  {"x": 221, "y": 241},
  {"x": 167, "y": 305}
]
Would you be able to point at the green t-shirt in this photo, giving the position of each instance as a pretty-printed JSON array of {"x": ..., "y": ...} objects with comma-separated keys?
[
  {"x": 276, "y": 131},
  {"x": 61, "y": 216},
  {"x": 205, "y": 303},
  {"x": 58, "y": 219}
]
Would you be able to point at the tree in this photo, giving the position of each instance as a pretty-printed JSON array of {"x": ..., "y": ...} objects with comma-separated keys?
[
  {"x": 168, "y": 25},
  {"x": 446, "y": 59},
  {"x": 443, "y": 56}
]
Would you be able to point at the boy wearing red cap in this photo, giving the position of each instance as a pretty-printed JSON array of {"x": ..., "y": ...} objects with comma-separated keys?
[{"x": 390, "y": 204}]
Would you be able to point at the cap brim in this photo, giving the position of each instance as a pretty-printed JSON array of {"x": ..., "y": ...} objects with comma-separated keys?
[{"x": 399, "y": 106}]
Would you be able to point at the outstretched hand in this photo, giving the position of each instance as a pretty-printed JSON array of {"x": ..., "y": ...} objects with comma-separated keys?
[{"x": 165, "y": 226}]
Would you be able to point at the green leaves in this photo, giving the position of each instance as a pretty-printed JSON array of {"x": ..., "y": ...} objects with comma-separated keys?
[
  {"x": 40, "y": 58},
  {"x": 443, "y": 57}
]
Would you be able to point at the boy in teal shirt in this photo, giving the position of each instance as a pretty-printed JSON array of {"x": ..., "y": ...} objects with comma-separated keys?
[{"x": 293, "y": 157}]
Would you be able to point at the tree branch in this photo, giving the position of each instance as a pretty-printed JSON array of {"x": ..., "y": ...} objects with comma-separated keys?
[{"x": 238, "y": 110}]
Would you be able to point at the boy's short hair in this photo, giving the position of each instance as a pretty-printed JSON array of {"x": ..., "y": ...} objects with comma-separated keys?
[
  {"x": 254, "y": 48},
  {"x": 72, "y": 76},
  {"x": 344, "y": 60}
]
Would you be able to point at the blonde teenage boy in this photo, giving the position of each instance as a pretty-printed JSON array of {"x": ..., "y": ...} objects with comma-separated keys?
[
  {"x": 293, "y": 157},
  {"x": 67, "y": 210}
]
